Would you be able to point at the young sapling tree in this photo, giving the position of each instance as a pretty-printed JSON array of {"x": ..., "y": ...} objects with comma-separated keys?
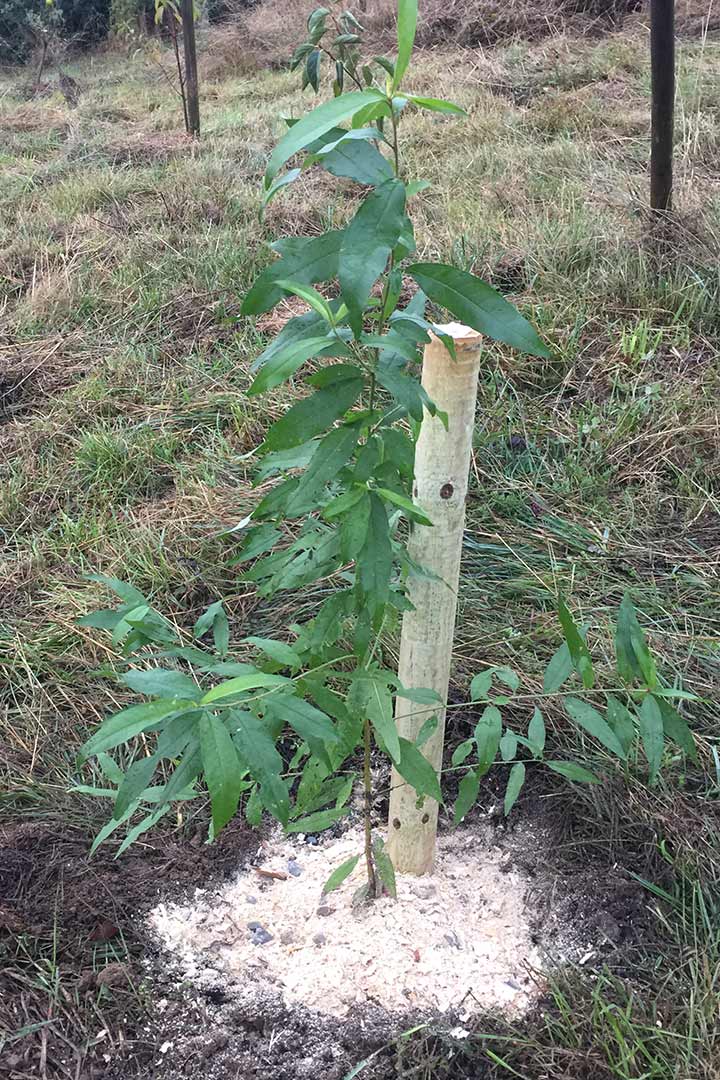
[{"x": 342, "y": 509}]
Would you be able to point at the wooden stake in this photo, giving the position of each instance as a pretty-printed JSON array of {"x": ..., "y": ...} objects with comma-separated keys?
[
  {"x": 662, "y": 57},
  {"x": 187, "y": 14},
  {"x": 442, "y": 463}
]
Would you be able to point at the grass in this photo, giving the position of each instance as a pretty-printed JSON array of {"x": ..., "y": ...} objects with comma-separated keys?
[{"x": 126, "y": 445}]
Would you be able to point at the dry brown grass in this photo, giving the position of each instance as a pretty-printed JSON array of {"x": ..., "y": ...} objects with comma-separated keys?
[{"x": 273, "y": 28}]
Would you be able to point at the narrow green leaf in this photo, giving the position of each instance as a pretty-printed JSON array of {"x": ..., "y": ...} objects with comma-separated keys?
[
  {"x": 316, "y": 413},
  {"x": 331, "y": 455},
  {"x": 366, "y": 246},
  {"x": 508, "y": 745},
  {"x": 652, "y": 734},
  {"x": 380, "y": 711},
  {"x": 162, "y": 683},
  {"x": 408, "y": 507},
  {"x": 579, "y": 652},
  {"x": 515, "y": 782},
  {"x": 476, "y": 304},
  {"x": 257, "y": 752},
  {"x": 406, "y": 27},
  {"x": 436, "y": 105},
  {"x": 621, "y": 722},
  {"x": 572, "y": 771},
  {"x": 467, "y": 796},
  {"x": 374, "y": 562},
  {"x": 315, "y": 124},
  {"x": 462, "y": 752},
  {"x": 223, "y": 774},
  {"x": 278, "y": 184},
  {"x": 559, "y": 670},
  {"x": 126, "y": 725},
  {"x": 136, "y": 780},
  {"x": 279, "y": 651},
  {"x": 536, "y": 733},
  {"x": 414, "y": 767},
  {"x": 313, "y": 823},
  {"x": 488, "y": 732},
  {"x": 595, "y": 724},
  {"x": 303, "y": 260},
  {"x": 340, "y": 874},
  {"x": 676, "y": 728},
  {"x": 311, "y": 297},
  {"x": 254, "y": 681},
  {"x": 633, "y": 656},
  {"x": 313, "y": 726},
  {"x": 480, "y": 685},
  {"x": 285, "y": 363}
]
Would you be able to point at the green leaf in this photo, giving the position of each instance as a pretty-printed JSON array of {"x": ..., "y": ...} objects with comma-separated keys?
[
  {"x": 367, "y": 243},
  {"x": 508, "y": 677},
  {"x": 126, "y": 592},
  {"x": 354, "y": 527},
  {"x": 279, "y": 651},
  {"x": 311, "y": 296},
  {"x": 476, "y": 304},
  {"x": 621, "y": 722},
  {"x": 311, "y": 725},
  {"x": 277, "y": 185},
  {"x": 285, "y": 363},
  {"x": 429, "y": 728},
  {"x": 380, "y": 711},
  {"x": 339, "y": 874},
  {"x": 467, "y": 796},
  {"x": 436, "y": 105},
  {"x": 595, "y": 724},
  {"x": 125, "y": 725},
  {"x": 406, "y": 27},
  {"x": 579, "y": 652},
  {"x": 374, "y": 561},
  {"x": 316, "y": 413},
  {"x": 676, "y": 728},
  {"x": 257, "y": 752},
  {"x": 414, "y": 767},
  {"x": 487, "y": 736},
  {"x": 508, "y": 745},
  {"x": 162, "y": 683},
  {"x": 257, "y": 541},
  {"x": 254, "y": 681},
  {"x": 313, "y": 823},
  {"x": 215, "y": 618},
  {"x": 223, "y": 774},
  {"x": 633, "y": 656},
  {"x": 356, "y": 159},
  {"x": 462, "y": 752},
  {"x": 408, "y": 507},
  {"x": 312, "y": 69},
  {"x": 384, "y": 867},
  {"x": 572, "y": 771},
  {"x": 652, "y": 734},
  {"x": 331, "y": 455},
  {"x": 536, "y": 733},
  {"x": 407, "y": 390},
  {"x": 480, "y": 685},
  {"x": 303, "y": 260},
  {"x": 516, "y": 779},
  {"x": 314, "y": 124},
  {"x": 558, "y": 670},
  {"x": 134, "y": 783}
]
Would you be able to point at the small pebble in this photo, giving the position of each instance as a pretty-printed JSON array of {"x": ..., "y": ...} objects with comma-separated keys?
[
  {"x": 261, "y": 936},
  {"x": 254, "y": 926},
  {"x": 312, "y": 840},
  {"x": 293, "y": 868},
  {"x": 325, "y": 910},
  {"x": 287, "y": 937},
  {"x": 251, "y": 899},
  {"x": 319, "y": 939}
]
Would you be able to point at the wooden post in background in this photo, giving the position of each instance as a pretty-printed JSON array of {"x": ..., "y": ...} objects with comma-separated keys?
[
  {"x": 662, "y": 62},
  {"x": 187, "y": 13},
  {"x": 442, "y": 463}
]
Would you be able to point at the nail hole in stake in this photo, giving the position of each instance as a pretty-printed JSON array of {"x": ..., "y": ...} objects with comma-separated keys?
[
  {"x": 425, "y": 818},
  {"x": 396, "y": 823},
  {"x": 446, "y": 491}
]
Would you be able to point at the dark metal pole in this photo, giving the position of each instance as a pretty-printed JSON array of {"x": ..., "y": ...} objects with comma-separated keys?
[
  {"x": 187, "y": 13},
  {"x": 662, "y": 50}
]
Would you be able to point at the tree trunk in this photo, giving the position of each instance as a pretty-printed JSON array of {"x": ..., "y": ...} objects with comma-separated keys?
[
  {"x": 662, "y": 47},
  {"x": 442, "y": 462},
  {"x": 191, "y": 75}
]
